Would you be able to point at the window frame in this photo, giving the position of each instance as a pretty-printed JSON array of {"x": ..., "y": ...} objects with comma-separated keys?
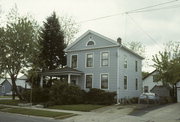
[
  {"x": 101, "y": 81},
  {"x": 86, "y": 81},
  {"x": 125, "y": 62},
  {"x": 105, "y": 59},
  {"x": 136, "y": 84},
  {"x": 87, "y": 60},
  {"x": 71, "y": 61},
  {"x": 136, "y": 66},
  {"x": 126, "y": 82}
]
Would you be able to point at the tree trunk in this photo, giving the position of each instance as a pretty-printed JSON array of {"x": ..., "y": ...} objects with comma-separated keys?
[{"x": 15, "y": 89}]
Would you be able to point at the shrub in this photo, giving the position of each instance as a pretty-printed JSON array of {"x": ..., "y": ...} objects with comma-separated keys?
[
  {"x": 98, "y": 96},
  {"x": 39, "y": 95},
  {"x": 63, "y": 93}
]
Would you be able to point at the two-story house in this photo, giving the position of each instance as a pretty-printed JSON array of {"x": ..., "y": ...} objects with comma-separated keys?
[
  {"x": 106, "y": 64},
  {"x": 95, "y": 61}
]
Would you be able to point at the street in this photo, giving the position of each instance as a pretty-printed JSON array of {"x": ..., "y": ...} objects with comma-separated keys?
[{"x": 8, "y": 117}]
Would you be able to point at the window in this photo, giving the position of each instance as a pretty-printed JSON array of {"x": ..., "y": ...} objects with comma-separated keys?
[
  {"x": 104, "y": 59},
  {"x": 3, "y": 89},
  {"x": 155, "y": 78},
  {"x": 136, "y": 84},
  {"x": 125, "y": 82},
  {"x": 88, "y": 81},
  {"x": 89, "y": 60},
  {"x": 74, "y": 61},
  {"x": 104, "y": 81},
  {"x": 146, "y": 89},
  {"x": 125, "y": 61},
  {"x": 90, "y": 43},
  {"x": 136, "y": 66}
]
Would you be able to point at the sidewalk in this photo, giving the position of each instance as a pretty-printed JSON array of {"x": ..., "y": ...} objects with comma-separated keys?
[{"x": 46, "y": 109}]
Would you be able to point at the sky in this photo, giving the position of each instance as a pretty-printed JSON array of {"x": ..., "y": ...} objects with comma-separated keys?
[{"x": 151, "y": 28}]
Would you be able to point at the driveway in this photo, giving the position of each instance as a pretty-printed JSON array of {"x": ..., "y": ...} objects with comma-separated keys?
[{"x": 167, "y": 113}]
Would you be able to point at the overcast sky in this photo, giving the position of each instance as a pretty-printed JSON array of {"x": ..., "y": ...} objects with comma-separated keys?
[{"x": 152, "y": 28}]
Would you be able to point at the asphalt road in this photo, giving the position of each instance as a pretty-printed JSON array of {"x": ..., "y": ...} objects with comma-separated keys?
[
  {"x": 8, "y": 117},
  {"x": 164, "y": 113}
]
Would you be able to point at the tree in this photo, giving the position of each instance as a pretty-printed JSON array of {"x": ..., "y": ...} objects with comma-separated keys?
[
  {"x": 167, "y": 63},
  {"x": 69, "y": 27},
  {"x": 137, "y": 47},
  {"x": 52, "y": 44},
  {"x": 17, "y": 43}
]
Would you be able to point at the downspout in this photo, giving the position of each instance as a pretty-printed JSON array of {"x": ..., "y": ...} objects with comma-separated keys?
[{"x": 118, "y": 73}]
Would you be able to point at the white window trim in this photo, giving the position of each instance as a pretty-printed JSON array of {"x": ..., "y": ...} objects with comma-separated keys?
[
  {"x": 89, "y": 41},
  {"x": 85, "y": 80},
  {"x": 127, "y": 83},
  {"x": 137, "y": 84},
  {"x": 71, "y": 60},
  {"x": 108, "y": 58},
  {"x": 135, "y": 66},
  {"x": 100, "y": 80},
  {"x": 125, "y": 57},
  {"x": 86, "y": 59}
]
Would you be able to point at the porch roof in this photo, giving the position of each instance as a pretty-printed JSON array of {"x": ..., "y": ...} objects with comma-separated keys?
[{"x": 61, "y": 71}]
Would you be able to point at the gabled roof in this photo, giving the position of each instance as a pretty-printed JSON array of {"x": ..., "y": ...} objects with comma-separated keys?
[
  {"x": 86, "y": 33},
  {"x": 149, "y": 74}
]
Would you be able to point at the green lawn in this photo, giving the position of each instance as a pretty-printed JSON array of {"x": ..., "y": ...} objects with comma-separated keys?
[
  {"x": 80, "y": 107},
  {"x": 9, "y": 102},
  {"x": 33, "y": 112},
  {"x": 5, "y": 96}
]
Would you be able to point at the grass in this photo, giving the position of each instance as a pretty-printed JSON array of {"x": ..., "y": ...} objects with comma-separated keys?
[
  {"x": 5, "y": 96},
  {"x": 80, "y": 107},
  {"x": 9, "y": 102},
  {"x": 33, "y": 112}
]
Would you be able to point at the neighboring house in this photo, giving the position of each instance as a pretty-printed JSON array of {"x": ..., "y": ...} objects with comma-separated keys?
[
  {"x": 150, "y": 81},
  {"x": 178, "y": 92},
  {"x": 150, "y": 84},
  {"x": 95, "y": 61},
  {"x": 6, "y": 85}
]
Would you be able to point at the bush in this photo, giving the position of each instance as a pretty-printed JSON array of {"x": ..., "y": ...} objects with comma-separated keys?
[
  {"x": 63, "y": 93},
  {"x": 98, "y": 96},
  {"x": 39, "y": 95}
]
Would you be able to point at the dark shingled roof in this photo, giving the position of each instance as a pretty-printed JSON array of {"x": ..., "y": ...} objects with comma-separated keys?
[{"x": 61, "y": 71}]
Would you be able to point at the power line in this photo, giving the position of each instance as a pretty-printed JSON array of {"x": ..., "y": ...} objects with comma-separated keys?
[
  {"x": 167, "y": 7},
  {"x": 144, "y": 31},
  {"x": 131, "y": 11}
]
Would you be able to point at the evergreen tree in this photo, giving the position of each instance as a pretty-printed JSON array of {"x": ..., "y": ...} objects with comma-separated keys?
[{"x": 52, "y": 44}]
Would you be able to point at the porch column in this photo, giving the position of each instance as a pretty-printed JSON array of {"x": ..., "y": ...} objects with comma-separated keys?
[
  {"x": 69, "y": 78},
  {"x": 41, "y": 82}
]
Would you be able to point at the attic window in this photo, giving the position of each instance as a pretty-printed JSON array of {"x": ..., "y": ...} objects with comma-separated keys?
[{"x": 90, "y": 43}]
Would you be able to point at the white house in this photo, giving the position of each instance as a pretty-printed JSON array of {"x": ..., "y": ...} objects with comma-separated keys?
[
  {"x": 96, "y": 61},
  {"x": 149, "y": 81},
  {"x": 6, "y": 85}
]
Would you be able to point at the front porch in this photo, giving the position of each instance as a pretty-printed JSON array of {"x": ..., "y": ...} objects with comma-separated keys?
[{"x": 67, "y": 74}]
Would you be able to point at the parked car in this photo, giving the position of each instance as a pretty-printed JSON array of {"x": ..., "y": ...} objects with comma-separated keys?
[{"x": 149, "y": 98}]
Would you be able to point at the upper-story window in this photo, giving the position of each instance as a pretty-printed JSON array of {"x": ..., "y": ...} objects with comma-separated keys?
[
  {"x": 105, "y": 59},
  {"x": 89, "y": 60},
  {"x": 125, "y": 61},
  {"x": 74, "y": 61},
  {"x": 90, "y": 43},
  {"x": 136, "y": 66}
]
